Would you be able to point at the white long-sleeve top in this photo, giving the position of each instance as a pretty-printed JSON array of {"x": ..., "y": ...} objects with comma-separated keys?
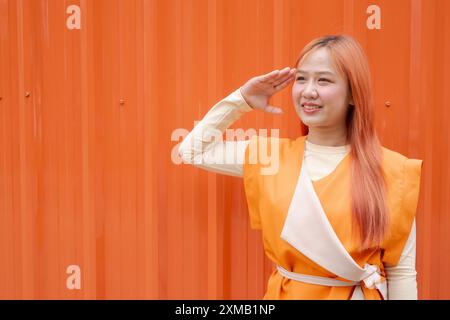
[{"x": 203, "y": 147}]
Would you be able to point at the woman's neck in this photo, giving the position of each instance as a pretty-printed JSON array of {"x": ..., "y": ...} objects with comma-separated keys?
[{"x": 327, "y": 137}]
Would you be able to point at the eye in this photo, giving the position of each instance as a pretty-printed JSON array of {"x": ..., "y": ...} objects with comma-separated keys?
[{"x": 321, "y": 79}]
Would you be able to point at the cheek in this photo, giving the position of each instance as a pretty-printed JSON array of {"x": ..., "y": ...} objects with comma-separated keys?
[
  {"x": 295, "y": 91},
  {"x": 296, "y": 94},
  {"x": 331, "y": 95}
]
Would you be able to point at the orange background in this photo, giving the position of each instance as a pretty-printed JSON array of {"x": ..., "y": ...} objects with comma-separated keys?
[{"x": 87, "y": 180}]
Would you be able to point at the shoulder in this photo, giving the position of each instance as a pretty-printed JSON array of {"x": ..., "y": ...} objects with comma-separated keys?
[
  {"x": 269, "y": 156},
  {"x": 285, "y": 142},
  {"x": 397, "y": 166},
  {"x": 392, "y": 160},
  {"x": 270, "y": 144}
]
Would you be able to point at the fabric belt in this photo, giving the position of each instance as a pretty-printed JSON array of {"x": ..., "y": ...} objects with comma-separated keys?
[{"x": 373, "y": 281}]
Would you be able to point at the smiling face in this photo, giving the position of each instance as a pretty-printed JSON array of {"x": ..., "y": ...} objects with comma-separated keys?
[{"x": 319, "y": 82}]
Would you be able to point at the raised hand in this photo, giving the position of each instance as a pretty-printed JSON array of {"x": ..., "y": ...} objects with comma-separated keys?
[{"x": 258, "y": 90}]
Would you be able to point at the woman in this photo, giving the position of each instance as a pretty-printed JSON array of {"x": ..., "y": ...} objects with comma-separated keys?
[{"x": 338, "y": 213}]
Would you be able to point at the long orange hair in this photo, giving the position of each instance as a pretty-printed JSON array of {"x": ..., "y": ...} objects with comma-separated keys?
[{"x": 368, "y": 188}]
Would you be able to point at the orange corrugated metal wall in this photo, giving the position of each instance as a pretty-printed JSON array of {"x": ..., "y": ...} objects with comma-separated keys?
[{"x": 88, "y": 107}]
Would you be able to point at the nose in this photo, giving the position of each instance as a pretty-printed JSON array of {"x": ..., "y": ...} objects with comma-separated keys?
[{"x": 309, "y": 91}]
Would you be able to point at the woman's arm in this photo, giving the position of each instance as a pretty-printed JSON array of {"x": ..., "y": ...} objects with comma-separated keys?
[
  {"x": 402, "y": 283},
  {"x": 203, "y": 146}
]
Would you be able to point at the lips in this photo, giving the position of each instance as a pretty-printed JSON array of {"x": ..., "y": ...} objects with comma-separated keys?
[{"x": 310, "y": 106}]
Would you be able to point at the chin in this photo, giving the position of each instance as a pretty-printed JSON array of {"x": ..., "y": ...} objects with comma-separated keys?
[
  {"x": 313, "y": 122},
  {"x": 308, "y": 121}
]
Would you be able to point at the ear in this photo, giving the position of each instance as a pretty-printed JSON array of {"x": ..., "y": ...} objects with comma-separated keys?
[{"x": 351, "y": 102}]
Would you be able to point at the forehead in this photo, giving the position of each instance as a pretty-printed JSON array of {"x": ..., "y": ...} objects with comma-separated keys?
[{"x": 318, "y": 61}]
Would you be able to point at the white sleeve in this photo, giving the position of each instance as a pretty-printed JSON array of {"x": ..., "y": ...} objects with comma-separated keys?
[
  {"x": 401, "y": 279},
  {"x": 204, "y": 147}
]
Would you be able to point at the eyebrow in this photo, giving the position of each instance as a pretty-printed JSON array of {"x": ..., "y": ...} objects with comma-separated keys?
[{"x": 319, "y": 72}]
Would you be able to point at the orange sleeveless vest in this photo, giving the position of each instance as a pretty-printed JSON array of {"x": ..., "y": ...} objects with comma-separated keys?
[{"x": 269, "y": 196}]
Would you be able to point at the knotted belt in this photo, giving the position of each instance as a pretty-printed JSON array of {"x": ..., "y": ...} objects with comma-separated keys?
[{"x": 372, "y": 280}]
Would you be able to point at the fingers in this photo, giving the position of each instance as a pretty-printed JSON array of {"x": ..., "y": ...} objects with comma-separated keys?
[
  {"x": 277, "y": 76},
  {"x": 270, "y": 76},
  {"x": 285, "y": 82},
  {"x": 287, "y": 76},
  {"x": 282, "y": 75}
]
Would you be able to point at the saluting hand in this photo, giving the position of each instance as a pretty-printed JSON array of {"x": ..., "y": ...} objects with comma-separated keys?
[{"x": 258, "y": 90}]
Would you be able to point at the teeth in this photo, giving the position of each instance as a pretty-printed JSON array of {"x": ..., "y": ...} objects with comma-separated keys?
[{"x": 312, "y": 107}]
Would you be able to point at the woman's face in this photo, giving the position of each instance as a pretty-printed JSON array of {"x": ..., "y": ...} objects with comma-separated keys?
[{"x": 318, "y": 82}]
